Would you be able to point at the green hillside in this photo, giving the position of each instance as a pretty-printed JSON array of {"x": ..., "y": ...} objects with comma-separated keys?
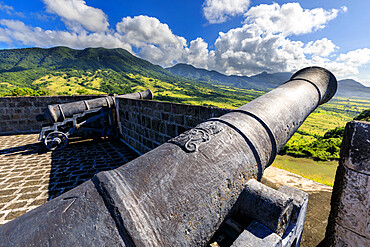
[{"x": 64, "y": 71}]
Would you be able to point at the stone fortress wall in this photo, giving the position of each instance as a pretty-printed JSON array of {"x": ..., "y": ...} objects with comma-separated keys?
[
  {"x": 18, "y": 114},
  {"x": 146, "y": 124}
]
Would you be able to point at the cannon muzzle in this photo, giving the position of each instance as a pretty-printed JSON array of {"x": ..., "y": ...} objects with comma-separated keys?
[
  {"x": 59, "y": 112},
  {"x": 179, "y": 193}
]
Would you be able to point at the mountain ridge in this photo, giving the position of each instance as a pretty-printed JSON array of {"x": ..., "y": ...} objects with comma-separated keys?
[{"x": 263, "y": 81}]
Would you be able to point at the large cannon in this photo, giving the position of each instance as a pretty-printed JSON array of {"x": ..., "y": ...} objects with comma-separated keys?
[
  {"x": 82, "y": 118},
  {"x": 179, "y": 193}
]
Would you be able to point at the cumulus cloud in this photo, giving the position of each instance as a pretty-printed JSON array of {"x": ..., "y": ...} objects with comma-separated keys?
[
  {"x": 154, "y": 39},
  {"x": 248, "y": 50},
  {"x": 144, "y": 29},
  {"x": 322, "y": 47},
  {"x": 290, "y": 18},
  {"x": 76, "y": 12},
  {"x": 262, "y": 43},
  {"x": 198, "y": 54},
  {"x": 18, "y": 32},
  {"x": 218, "y": 11}
]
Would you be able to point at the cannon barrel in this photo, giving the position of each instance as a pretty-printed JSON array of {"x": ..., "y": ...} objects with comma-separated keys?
[
  {"x": 59, "y": 112},
  {"x": 179, "y": 193}
]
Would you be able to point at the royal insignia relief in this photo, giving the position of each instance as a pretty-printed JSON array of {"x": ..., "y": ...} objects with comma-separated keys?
[{"x": 202, "y": 133}]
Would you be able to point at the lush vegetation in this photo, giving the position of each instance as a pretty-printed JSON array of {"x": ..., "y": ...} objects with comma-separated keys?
[
  {"x": 309, "y": 142},
  {"x": 63, "y": 71}
]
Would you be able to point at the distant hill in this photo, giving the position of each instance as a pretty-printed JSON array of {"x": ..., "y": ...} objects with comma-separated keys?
[
  {"x": 61, "y": 70},
  {"x": 263, "y": 81},
  {"x": 65, "y": 71},
  {"x": 350, "y": 88},
  {"x": 23, "y": 67}
]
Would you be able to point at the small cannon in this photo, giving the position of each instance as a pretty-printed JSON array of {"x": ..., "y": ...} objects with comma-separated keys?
[
  {"x": 180, "y": 193},
  {"x": 82, "y": 118}
]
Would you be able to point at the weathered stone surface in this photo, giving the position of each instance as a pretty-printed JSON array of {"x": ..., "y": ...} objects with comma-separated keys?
[
  {"x": 258, "y": 235},
  {"x": 354, "y": 205},
  {"x": 349, "y": 220},
  {"x": 297, "y": 220},
  {"x": 346, "y": 238},
  {"x": 356, "y": 155},
  {"x": 266, "y": 205},
  {"x": 77, "y": 218},
  {"x": 299, "y": 199}
]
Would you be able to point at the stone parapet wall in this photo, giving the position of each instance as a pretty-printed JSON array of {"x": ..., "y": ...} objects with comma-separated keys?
[
  {"x": 349, "y": 216},
  {"x": 17, "y": 114},
  {"x": 147, "y": 124}
]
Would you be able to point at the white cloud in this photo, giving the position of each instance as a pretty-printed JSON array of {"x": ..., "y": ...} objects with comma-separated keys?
[
  {"x": 356, "y": 58},
  {"x": 144, "y": 29},
  {"x": 260, "y": 45},
  {"x": 198, "y": 54},
  {"x": 218, "y": 11},
  {"x": 18, "y": 32},
  {"x": 322, "y": 47},
  {"x": 10, "y": 10},
  {"x": 76, "y": 13},
  {"x": 289, "y": 18},
  {"x": 248, "y": 50},
  {"x": 154, "y": 39}
]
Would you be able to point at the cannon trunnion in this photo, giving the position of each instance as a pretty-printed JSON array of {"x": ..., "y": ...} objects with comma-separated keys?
[{"x": 94, "y": 118}]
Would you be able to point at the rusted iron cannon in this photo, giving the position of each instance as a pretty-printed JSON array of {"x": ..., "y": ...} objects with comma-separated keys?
[
  {"x": 82, "y": 118},
  {"x": 179, "y": 193}
]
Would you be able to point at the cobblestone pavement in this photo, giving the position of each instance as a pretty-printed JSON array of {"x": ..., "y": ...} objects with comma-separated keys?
[{"x": 30, "y": 175}]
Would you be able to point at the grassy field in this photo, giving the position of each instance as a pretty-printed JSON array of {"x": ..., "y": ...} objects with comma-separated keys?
[{"x": 319, "y": 171}]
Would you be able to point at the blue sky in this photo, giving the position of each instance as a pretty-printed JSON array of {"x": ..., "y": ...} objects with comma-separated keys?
[{"x": 242, "y": 37}]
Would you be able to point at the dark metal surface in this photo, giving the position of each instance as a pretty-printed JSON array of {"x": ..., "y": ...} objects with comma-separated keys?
[
  {"x": 59, "y": 112},
  {"x": 179, "y": 193},
  {"x": 95, "y": 117}
]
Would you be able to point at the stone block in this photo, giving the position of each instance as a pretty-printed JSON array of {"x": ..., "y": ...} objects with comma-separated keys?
[
  {"x": 159, "y": 105},
  {"x": 179, "y": 119},
  {"x": 257, "y": 235},
  {"x": 205, "y": 113},
  {"x": 167, "y": 107},
  {"x": 178, "y": 108},
  {"x": 156, "y": 124},
  {"x": 299, "y": 197},
  {"x": 356, "y": 145},
  {"x": 165, "y": 116},
  {"x": 191, "y": 122},
  {"x": 270, "y": 207},
  {"x": 354, "y": 203},
  {"x": 349, "y": 220},
  {"x": 171, "y": 130}
]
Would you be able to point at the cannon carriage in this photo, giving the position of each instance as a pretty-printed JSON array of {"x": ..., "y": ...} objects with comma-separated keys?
[{"x": 94, "y": 118}]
